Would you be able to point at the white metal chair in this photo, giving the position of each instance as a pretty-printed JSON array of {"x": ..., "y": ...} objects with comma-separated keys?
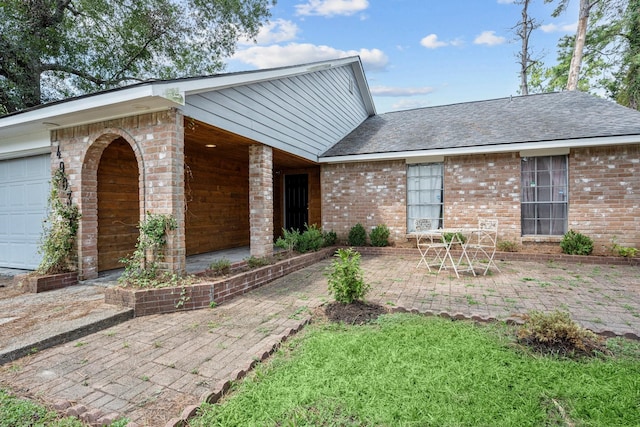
[
  {"x": 432, "y": 248},
  {"x": 483, "y": 245}
]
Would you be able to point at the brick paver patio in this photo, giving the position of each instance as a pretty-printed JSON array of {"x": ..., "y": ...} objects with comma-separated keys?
[{"x": 151, "y": 368}]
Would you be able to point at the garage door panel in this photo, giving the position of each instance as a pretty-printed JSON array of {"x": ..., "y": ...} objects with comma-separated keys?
[{"x": 23, "y": 201}]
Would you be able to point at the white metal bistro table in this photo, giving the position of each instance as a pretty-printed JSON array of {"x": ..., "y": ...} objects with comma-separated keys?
[{"x": 452, "y": 238}]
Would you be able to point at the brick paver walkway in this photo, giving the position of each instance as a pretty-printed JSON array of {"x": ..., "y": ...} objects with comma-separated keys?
[{"x": 150, "y": 368}]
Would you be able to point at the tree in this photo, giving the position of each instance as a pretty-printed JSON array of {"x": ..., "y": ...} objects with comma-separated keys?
[
  {"x": 626, "y": 88},
  {"x": 51, "y": 49},
  {"x": 523, "y": 30},
  {"x": 581, "y": 33}
]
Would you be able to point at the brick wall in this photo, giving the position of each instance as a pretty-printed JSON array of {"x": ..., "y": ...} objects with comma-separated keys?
[
  {"x": 604, "y": 195},
  {"x": 370, "y": 193},
  {"x": 157, "y": 140},
  {"x": 483, "y": 186}
]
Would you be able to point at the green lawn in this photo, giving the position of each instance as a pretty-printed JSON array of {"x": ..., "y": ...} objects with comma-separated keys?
[
  {"x": 16, "y": 412},
  {"x": 409, "y": 370}
]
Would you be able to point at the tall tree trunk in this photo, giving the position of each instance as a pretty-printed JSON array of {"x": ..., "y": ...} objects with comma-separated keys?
[
  {"x": 525, "y": 28},
  {"x": 581, "y": 35}
]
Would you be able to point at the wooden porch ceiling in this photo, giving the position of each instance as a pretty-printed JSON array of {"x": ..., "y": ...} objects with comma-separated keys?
[{"x": 235, "y": 147}]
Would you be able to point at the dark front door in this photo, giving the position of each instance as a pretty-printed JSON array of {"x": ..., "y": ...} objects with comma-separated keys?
[{"x": 296, "y": 201}]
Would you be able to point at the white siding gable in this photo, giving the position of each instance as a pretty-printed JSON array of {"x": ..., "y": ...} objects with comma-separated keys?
[{"x": 303, "y": 114}]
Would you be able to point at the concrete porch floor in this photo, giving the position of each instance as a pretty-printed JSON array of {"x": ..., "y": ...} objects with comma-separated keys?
[{"x": 195, "y": 263}]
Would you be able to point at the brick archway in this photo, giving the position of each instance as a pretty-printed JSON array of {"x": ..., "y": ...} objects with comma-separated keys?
[{"x": 88, "y": 255}]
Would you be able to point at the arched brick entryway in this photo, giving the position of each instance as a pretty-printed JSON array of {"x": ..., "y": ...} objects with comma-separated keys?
[{"x": 110, "y": 171}]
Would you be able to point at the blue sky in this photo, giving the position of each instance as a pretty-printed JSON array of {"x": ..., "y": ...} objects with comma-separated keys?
[{"x": 416, "y": 53}]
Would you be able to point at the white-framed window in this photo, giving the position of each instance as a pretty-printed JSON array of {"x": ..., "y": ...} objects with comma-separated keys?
[
  {"x": 544, "y": 200},
  {"x": 424, "y": 193}
]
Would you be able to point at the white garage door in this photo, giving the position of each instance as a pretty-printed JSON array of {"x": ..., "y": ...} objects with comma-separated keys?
[{"x": 24, "y": 186}]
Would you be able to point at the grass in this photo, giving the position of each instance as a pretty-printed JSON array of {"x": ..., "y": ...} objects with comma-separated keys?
[
  {"x": 17, "y": 412},
  {"x": 409, "y": 370}
]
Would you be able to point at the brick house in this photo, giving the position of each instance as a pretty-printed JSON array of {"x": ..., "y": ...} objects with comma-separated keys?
[{"x": 237, "y": 157}]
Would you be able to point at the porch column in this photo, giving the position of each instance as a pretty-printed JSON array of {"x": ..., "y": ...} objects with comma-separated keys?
[
  {"x": 164, "y": 183},
  {"x": 261, "y": 200}
]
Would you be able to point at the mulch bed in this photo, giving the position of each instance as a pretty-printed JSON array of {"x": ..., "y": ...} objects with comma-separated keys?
[{"x": 356, "y": 313}]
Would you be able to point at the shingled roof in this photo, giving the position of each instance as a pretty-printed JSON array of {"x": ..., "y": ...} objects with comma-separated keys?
[{"x": 557, "y": 116}]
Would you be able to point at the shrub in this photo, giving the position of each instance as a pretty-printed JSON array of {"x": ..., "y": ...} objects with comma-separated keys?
[
  {"x": 379, "y": 236},
  {"x": 459, "y": 237},
  {"x": 221, "y": 266},
  {"x": 556, "y": 333},
  {"x": 625, "y": 251},
  {"x": 346, "y": 282},
  {"x": 507, "y": 246},
  {"x": 357, "y": 235},
  {"x": 574, "y": 243},
  {"x": 330, "y": 238},
  {"x": 141, "y": 268},
  {"x": 57, "y": 245},
  {"x": 289, "y": 240},
  {"x": 255, "y": 262},
  {"x": 310, "y": 240}
]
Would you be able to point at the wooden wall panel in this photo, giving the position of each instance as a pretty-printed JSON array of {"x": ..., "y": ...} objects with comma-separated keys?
[
  {"x": 118, "y": 204},
  {"x": 217, "y": 194}
]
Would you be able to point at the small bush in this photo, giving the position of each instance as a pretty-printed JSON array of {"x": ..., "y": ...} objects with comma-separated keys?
[
  {"x": 346, "y": 282},
  {"x": 289, "y": 240},
  {"x": 255, "y": 262},
  {"x": 379, "y": 236},
  {"x": 221, "y": 266},
  {"x": 574, "y": 243},
  {"x": 330, "y": 238},
  {"x": 310, "y": 240},
  {"x": 507, "y": 246},
  {"x": 556, "y": 333},
  {"x": 357, "y": 235},
  {"x": 625, "y": 251},
  {"x": 459, "y": 237}
]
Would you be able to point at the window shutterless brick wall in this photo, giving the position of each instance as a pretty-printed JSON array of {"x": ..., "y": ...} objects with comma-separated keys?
[
  {"x": 371, "y": 193},
  {"x": 604, "y": 196}
]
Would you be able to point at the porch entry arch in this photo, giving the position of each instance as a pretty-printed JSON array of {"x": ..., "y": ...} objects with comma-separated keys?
[{"x": 112, "y": 201}]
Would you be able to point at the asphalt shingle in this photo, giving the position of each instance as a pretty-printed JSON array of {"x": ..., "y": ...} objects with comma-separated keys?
[{"x": 534, "y": 118}]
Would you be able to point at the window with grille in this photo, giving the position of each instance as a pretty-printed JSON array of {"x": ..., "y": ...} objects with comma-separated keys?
[
  {"x": 544, "y": 195},
  {"x": 424, "y": 193}
]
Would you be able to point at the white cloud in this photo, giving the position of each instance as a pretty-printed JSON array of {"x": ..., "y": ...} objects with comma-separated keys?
[
  {"x": 489, "y": 38},
  {"x": 554, "y": 28},
  {"x": 301, "y": 53},
  {"x": 431, "y": 42},
  {"x": 331, "y": 7},
  {"x": 505, "y": 1},
  {"x": 278, "y": 31},
  {"x": 400, "y": 91}
]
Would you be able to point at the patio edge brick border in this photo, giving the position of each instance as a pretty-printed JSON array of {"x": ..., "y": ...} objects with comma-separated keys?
[
  {"x": 515, "y": 256},
  {"x": 145, "y": 302}
]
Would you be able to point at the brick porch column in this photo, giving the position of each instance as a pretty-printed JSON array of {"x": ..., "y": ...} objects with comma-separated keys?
[
  {"x": 164, "y": 183},
  {"x": 261, "y": 200}
]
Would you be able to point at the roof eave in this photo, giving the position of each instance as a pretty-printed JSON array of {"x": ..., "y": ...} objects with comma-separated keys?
[{"x": 485, "y": 149}]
